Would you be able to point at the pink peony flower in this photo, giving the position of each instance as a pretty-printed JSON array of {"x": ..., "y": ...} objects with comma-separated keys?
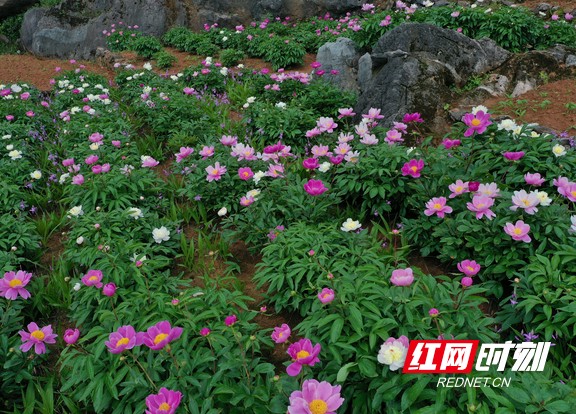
[
  {"x": 526, "y": 201},
  {"x": 315, "y": 398},
  {"x": 413, "y": 168},
  {"x": 246, "y": 201},
  {"x": 311, "y": 163},
  {"x": 402, "y": 277},
  {"x": 518, "y": 231},
  {"x": 449, "y": 143},
  {"x": 230, "y": 320},
  {"x": 393, "y": 136},
  {"x": 206, "y": 152},
  {"x": 315, "y": 187},
  {"x": 534, "y": 179},
  {"x": 302, "y": 353},
  {"x": 457, "y": 188},
  {"x": 469, "y": 267},
  {"x": 185, "y": 152},
  {"x": 245, "y": 173},
  {"x": 281, "y": 333},
  {"x": 68, "y": 162},
  {"x": 13, "y": 284},
  {"x": 158, "y": 336},
  {"x": 344, "y": 112},
  {"x": 513, "y": 156},
  {"x": 92, "y": 159},
  {"x": 229, "y": 140},
  {"x": 481, "y": 206},
  {"x": 326, "y": 295},
  {"x": 373, "y": 114},
  {"x": 96, "y": 137},
  {"x": 71, "y": 336},
  {"x": 124, "y": 338},
  {"x": 570, "y": 191},
  {"x": 96, "y": 169},
  {"x": 109, "y": 289},
  {"x": 37, "y": 337},
  {"x": 437, "y": 205},
  {"x": 326, "y": 125},
  {"x": 476, "y": 123},
  {"x": 215, "y": 172},
  {"x": 165, "y": 402},
  {"x": 93, "y": 278},
  {"x": 78, "y": 179},
  {"x": 490, "y": 190},
  {"x": 205, "y": 331},
  {"x": 320, "y": 151},
  {"x": 148, "y": 161}
]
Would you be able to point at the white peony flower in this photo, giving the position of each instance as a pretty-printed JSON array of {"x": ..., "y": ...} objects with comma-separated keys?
[
  {"x": 350, "y": 225},
  {"x": 80, "y": 240},
  {"x": 258, "y": 176},
  {"x": 222, "y": 212},
  {"x": 161, "y": 234},
  {"x": 325, "y": 166},
  {"x": 63, "y": 178},
  {"x": 135, "y": 213},
  {"x": 281, "y": 105},
  {"x": 94, "y": 146},
  {"x": 147, "y": 66},
  {"x": 251, "y": 99},
  {"x": 77, "y": 287},
  {"x": 543, "y": 198},
  {"x": 36, "y": 174},
  {"x": 15, "y": 154},
  {"x": 573, "y": 226},
  {"x": 393, "y": 352},
  {"x": 76, "y": 211},
  {"x": 559, "y": 150}
]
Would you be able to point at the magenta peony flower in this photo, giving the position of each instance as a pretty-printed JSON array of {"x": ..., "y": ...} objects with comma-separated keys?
[
  {"x": 481, "y": 206},
  {"x": 476, "y": 123},
  {"x": 311, "y": 163},
  {"x": 205, "y": 331},
  {"x": 415, "y": 117},
  {"x": 534, "y": 179},
  {"x": 206, "y": 151},
  {"x": 165, "y": 402},
  {"x": 36, "y": 337},
  {"x": 315, "y": 398},
  {"x": 437, "y": 205},
  {"x": 518, "y": 231},
  {"x": 315, "y": 187},
  {"x": 148, "y": 161},
  {"x": 302, "y": 353},
  {"x": 413, "y": 168},
  {"x": 402, "y": 277},
  {"x": 93, "y": 278},
  {"x": 230, "y": 320},
  {"x": 469, "y": 267},
  {"x": 466, "y": 281},
  {"x": 158, "y": 336},
  {"x": 326, "y": 295},
  {"x": 473, "y": 186},
  {"x": 14, "y": 283},
  {"x": 281, "y": 333},
  {"x": 71, "y": 336},
  {"x": 92, "y": 159},
  {"x": 433, "y": 312},
  {"x": 449, "y": 143},
  {"x": 109, "y": 289},
  {"x": 245, "y": 173},
  {"x": 124, "y": 338},
  {"x": 513, "y": 156}
]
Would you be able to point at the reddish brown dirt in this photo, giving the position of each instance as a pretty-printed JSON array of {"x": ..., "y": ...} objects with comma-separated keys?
[
  {"x": 565, "y": 5},
  {"x": 38, "y": 71},
  {"x": 547, "y": 105}
]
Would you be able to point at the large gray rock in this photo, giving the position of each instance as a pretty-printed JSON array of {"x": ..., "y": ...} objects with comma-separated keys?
[
  {"x": 415, "y": 65},
  {"x": 342, "y": 56},
  {"x": 11, "y": 7},
  {"x": 73, "y": 29}
]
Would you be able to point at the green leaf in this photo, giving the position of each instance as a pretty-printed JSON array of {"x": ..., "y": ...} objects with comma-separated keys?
[
  {"x": 344, "y": 371},
  {"x": 336, "y": 330}
]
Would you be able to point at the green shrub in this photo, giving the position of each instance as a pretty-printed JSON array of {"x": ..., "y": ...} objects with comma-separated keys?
[
  {"x": 231, "y": 57},
  {"x": 283, "y": 52},
  {"x": 164, "y": 59},
  {"x": 206, "y": 48},
  {"x": 146, "y": 46}
]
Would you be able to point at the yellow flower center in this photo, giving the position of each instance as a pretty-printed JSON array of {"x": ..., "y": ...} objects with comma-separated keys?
[
  {"x": 159, "y": 338},
  {"x": 325, "y": 295},
  {"x": 517, "y": 231},
  {"x": 123, "y": 341},
  {"x": 302, "y": 354},
  {"x": 37, "y": 334},
  {"x": 164, "y": 407},
  {"x": 281, "y": 335},
  {"x": 475, "y": 122},
  {"x": 93, "y": 278},
  {"x": 414, "y": 168},
  {"x": 437, "y": 206},
  {"x": 15, "y": 282},
  {"x": 470, "y": 268},
  {"x": 526, "y": 202},
  {"x": 481, "y": 205},
  {"x": 245, "y": 174},
  {"x": 395, "y": 354},
  {"x": 458, "y": 189},
  {"x": 318, "y": 407},
  {"x": 573, "y": 193}
]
